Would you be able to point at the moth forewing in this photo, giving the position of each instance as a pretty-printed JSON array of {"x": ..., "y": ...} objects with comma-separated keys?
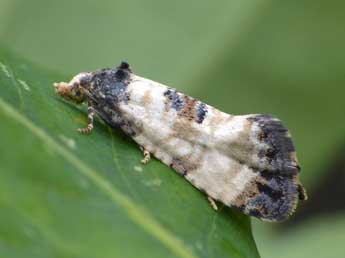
[{"x": 246, "y": 162}]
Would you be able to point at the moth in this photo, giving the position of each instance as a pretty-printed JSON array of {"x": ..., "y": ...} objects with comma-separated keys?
[{"x": 247, "y": 162}]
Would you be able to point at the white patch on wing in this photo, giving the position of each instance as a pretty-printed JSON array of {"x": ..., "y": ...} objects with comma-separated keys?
[
  {"x": 228, "y": 131},
  {"x": 163, "y": 155},
  {"x": 150, "y": 114},
  {"x": 180, "y": 146},
  {"x": 254, "y": 137},
  {"x": 137, "y": 89},
  {"x": 221, "y": 177},
  {"x": 242, "y": 177},
  {"x": 210, "y": 176},
  {"x": 197, "y": 153}
]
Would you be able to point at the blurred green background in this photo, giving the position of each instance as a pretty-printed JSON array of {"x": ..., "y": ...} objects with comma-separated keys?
[{"x": 284, "y": 58}]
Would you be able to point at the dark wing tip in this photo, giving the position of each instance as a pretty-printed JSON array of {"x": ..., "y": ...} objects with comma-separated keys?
[
  {"x": 274, "y": 193},
  {"x": 281, "y": 153},
  {"x": 270, "y": 197}
]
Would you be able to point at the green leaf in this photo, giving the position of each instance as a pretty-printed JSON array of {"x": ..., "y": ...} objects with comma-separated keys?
[
  {"x": 63, "y": 194},
  {"x": 317, "y": 238}
]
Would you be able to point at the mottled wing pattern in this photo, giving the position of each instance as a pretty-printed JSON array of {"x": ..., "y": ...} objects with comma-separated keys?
[{"x": 246, "y": 162}]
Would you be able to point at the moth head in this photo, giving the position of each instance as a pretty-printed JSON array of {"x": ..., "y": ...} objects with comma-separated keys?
[{"x": 76, "y": 89}]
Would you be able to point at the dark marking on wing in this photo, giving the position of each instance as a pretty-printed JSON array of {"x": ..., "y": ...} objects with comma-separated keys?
[
  {"x": 201, "y": 112},
  {"x": 183, "y": 165},
  {"x": 270, "y": 196},
  {"x": 280, "y": 153},
  {"x": 120, "y": 74},
  {"x": 173, "y": 99},
  {"x": 188, "y": 111},
  {"x": 274, "y": 193},
  {"x": 187, "y": 107}
]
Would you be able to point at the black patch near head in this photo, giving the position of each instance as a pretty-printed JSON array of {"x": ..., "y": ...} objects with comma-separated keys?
[
  {"x": 120, "y": 74},
  {"x": 201, "y": 112},
  {"x": 109, "y": 88},
  {"x": 123, "y": 65},
  {"x": 174, "y": 98}
]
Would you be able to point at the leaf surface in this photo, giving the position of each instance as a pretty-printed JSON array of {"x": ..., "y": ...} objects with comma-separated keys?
[{"x": 63, "y": 194}]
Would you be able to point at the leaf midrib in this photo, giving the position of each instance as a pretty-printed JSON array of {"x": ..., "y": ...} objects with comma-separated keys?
[{"x": 134, "y": 211}]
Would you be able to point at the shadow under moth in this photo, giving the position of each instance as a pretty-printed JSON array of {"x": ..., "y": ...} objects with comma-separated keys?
[{"x": 247, "y": 162}]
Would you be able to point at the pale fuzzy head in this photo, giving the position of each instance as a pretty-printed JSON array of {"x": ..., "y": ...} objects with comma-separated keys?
[{"x": 74, "y": 90}]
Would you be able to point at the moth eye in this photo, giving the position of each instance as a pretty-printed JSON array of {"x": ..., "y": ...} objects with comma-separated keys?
[{"x": 78, "y": 93}]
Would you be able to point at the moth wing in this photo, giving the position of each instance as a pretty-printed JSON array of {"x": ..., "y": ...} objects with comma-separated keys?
[
  {"x": 274, "y": 191},
  {"x": 254, "y": 170},
  {"x": 247, "y": 162}
]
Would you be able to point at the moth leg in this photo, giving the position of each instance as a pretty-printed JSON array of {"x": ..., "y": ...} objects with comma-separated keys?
[
  {"x": 213, "y": 203},
  {"x": 147, "y": 155},
  {"x": 90, "y": 115}
]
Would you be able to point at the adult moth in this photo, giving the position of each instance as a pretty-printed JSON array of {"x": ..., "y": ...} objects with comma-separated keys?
[{"x": 247, "y": 162}]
